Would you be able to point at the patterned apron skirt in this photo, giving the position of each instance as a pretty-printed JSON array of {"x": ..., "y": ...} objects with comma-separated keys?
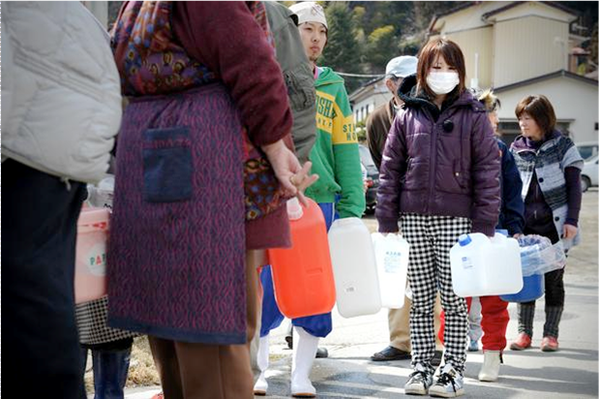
[{"x": 177, "y": 244}]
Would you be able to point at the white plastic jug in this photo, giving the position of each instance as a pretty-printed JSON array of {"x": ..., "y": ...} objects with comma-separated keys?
[
  {"x": 90, "y": 265},
  {"x": 391, "y": 253},
  {"x": 481, "y": 266},
  {"x": 354, "y": 267}
]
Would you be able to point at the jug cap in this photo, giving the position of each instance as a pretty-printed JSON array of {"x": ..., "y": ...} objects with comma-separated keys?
[
  {"x": 464, "y": 240},
  {"x": 294, "y": 209},
  {"x": 502, "y": 232}
]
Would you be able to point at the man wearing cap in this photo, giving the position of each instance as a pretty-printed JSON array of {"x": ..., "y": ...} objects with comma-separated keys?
[
  {"x": 377, "y": 127},
  {"x": 338, "y": 191},
  {"x": 380, "y": 121}
]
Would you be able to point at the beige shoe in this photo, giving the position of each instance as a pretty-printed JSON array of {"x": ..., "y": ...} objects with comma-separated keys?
[{"x": 490, "y": 370}]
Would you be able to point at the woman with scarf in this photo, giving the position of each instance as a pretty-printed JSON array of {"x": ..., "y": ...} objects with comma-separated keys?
[{"x": 201, "y": 149}]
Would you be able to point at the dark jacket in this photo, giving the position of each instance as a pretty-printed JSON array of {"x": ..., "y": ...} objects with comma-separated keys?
[
  {"x": 377, "y": 129},
  {"x": 435, "y": 171},
  {"x": 298, "y": 76},
  {"x": 511, "y": 216}
]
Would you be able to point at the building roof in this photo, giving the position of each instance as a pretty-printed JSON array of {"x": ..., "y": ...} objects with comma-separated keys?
[
  {"x": 462, "y": 6},
  {"x": 517, "y": 3},
  {"x": 499, "y": 10},
  {"x": 541, "y": 78},
  {"x": 365, "y": 87}
]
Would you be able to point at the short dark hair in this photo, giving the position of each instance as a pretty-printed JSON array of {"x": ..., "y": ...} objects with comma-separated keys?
[
  {"x": 452, "y": 54},
  {"x": 540, "y": 109}
]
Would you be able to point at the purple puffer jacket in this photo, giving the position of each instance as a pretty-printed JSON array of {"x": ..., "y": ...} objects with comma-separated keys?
[{"x": 430, "y": 170}]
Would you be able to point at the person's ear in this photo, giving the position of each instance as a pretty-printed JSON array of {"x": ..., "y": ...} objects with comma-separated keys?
[{"x": 391, "y": 85}]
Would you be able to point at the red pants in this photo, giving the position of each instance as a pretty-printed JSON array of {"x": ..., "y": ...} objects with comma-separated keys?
[{"x": 494, "y": 322}]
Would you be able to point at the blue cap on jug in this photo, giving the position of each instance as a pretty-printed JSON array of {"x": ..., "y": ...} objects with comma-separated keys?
[{"x": 464, "y": 240}]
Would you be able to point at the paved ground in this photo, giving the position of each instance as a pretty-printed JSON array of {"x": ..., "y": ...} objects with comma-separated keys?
[{"x": 570, "y": 373}]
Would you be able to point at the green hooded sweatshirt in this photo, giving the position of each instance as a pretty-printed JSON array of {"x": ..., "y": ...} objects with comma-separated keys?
[{"x": 335, "y": 156}]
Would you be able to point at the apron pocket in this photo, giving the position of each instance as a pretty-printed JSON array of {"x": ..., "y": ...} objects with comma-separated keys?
[{"x": 167, "y": 165}]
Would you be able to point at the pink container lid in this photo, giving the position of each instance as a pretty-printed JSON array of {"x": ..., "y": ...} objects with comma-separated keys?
[{"x": 93, "y": 216}]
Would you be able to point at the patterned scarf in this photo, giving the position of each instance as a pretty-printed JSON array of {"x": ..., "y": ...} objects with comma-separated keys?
[
  {"x": 149, "y": 58},
  {"x": 152, "y": 62}
]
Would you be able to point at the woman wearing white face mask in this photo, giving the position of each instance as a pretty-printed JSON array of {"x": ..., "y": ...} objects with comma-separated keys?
[{"x": 439, "y": 179}]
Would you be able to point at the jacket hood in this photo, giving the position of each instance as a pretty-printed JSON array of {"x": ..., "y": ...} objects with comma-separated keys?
[
  {"x": 407, "y": 93},
  {"x": 327, "y": 76}
]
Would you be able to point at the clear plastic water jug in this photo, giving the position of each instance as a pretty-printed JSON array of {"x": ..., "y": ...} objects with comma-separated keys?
[
  {"x": 354, "y": 266},
  {"x": 481, "y": 266},
  {"x": 392, "y": 254},
  {"x": 90, "y": 266},
  {"x": 302, "y": 275}
]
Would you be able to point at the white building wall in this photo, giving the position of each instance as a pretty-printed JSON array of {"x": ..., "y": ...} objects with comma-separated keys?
[
  {"x": 572, "y": 100},
  {"x": 477, "y": 41},
  {"x": 528, "y": 47},
  {"x": 369, "y": 104}
]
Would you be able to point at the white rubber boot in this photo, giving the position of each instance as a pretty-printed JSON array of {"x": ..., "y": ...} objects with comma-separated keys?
[
  {"x": 490, "y": 370},
  {"x": 261, "y": 384},
  {"x": 304, "y": 351}
]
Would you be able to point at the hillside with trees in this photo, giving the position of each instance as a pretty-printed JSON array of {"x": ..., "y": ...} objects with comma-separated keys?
[
  {"x": 364, "y": 35},
  {"x": 380, "y": 30}
]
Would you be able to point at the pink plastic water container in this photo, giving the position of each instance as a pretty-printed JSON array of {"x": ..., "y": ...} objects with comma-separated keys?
[{"x": 90, "y": 265}]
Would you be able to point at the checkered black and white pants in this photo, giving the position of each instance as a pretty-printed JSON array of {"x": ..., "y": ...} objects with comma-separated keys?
[{"x": 431, "y": 238}]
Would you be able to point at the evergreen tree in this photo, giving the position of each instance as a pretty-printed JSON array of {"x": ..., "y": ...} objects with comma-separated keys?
[
  {"x": 341, "y": 52},
  {"x": 382, "y": 46}
]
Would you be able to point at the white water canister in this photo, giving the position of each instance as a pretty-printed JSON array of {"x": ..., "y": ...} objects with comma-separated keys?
[
  {"x": 90, "y": 265},
  {"x": 481, "y": 266},
  {"x": 391, "y": 254},
  {"x": 354, "y": 267}
]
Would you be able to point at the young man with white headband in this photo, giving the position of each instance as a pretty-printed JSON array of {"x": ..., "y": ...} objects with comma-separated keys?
[{"x": 335, "y": 158}]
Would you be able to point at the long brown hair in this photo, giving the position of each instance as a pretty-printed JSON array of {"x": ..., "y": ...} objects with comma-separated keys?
[{"x": 453, "y": 56}]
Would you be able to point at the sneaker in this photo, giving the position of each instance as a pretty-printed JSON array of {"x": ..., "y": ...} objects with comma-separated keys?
[
  {"x": 419, "y": 382},
  {"x": 473, "y": 346},
  {"x": 390, "y": 353},
  {"x": 449, "y": 384},
  {"x": 522, "y": 342},
  {"x": 549, "y": 344}
]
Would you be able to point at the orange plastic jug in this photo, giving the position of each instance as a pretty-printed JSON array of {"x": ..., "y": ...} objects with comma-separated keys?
[
  {"x": 303, "y": 274},
  {"x": 90, "y": 265}
]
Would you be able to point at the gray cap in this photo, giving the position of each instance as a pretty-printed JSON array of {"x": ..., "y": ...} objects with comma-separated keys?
[{"x": 402, "y": 66}]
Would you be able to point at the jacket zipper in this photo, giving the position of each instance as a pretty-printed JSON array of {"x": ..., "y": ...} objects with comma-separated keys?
[{"x": 433, "y": 162}]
